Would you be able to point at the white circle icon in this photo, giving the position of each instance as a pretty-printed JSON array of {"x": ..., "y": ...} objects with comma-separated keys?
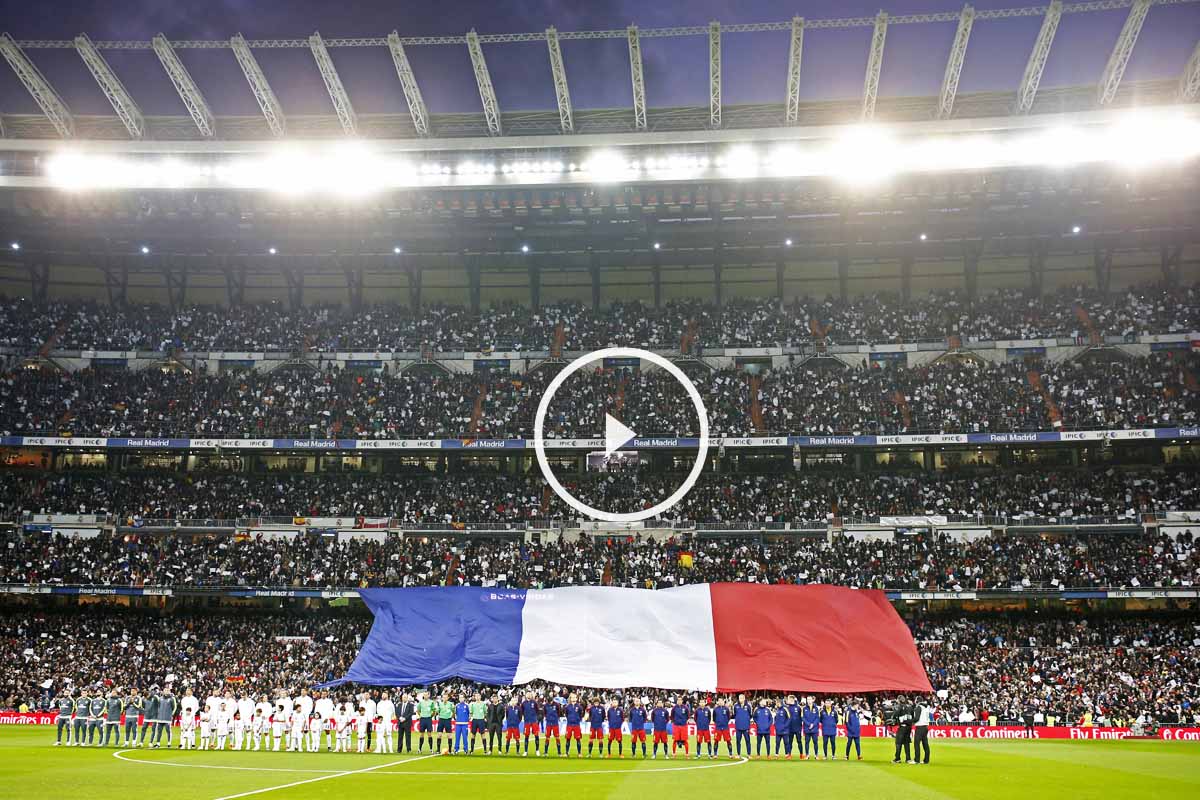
[{"x": 539, "y": 444}]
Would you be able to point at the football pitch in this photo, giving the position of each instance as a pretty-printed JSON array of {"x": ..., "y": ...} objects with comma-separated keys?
[{"x": 31, "y": 767}]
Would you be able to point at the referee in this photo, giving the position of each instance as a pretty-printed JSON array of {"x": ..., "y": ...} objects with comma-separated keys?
[{"x": 922, "y": 714}]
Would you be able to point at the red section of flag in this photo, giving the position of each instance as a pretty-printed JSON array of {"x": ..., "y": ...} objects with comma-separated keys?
[{"x": 821, "y": 639}]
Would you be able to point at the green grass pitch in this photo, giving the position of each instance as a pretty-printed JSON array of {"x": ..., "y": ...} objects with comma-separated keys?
[{"x": 31, "y": 767}]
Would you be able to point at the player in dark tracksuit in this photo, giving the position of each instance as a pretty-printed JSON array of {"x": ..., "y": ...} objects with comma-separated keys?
[
  {"x": 812, "y": 724},
  {"x": 149, "y": 716},
  {"x": 829, "y": 731},
  {"x": 65, "y": 705},
  {"x": 762, "y": 725},
  {"x": 166, "y": 715},
  {"x": 783, "y": 727},
  {"x": 742, "y": 713},
  {"x": 133, "y": 709},
  {"x": 853, "y": 731},
  {"x": 795, "y": 726},
  {"x": 495, "y": 723},
  {"x": 112, "y": 718},
  {"x": 96, "y": 719},
  {"x": 82, "y": 705}
]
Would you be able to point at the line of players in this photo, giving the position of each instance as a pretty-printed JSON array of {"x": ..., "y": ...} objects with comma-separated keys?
[{"x": 299, "y": 724}]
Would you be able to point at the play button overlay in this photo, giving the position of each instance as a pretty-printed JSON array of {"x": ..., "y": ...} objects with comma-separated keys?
[{"x": 617, "y": 434}]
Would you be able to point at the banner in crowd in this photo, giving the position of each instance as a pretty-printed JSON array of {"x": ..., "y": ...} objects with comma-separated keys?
[
  {"x": 715, "y": 637},
  {"x": 648, "y": 443}
]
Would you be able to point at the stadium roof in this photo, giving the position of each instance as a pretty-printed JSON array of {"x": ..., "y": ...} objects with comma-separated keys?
[{"x": 491, "y": 56}]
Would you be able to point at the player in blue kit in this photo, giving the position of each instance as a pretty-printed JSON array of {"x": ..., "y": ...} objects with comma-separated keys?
[
  {"x": 721, "y": 720},
  {"x": 462, "y": 725},
  {"x": 680, "y": 714},
  {"x": 762, "y": 725},
  {"x": 812, "y": 723},
  {"x": 742, "y": 712},
  {"x": 795, "y": 726},
  {"x": 596, "y": 721},
  {"x": 829, "y": 720},
  {"x": 574, "y": 714},
  {"x": 704, "y": 727},
  {"x": 529, "y": 716},
  {"x": 512, "y": 724},
  {"x": 637, "y": 726},
  {"x": 783, "y": 736},
  {"x": 616, "y": 718},
  {"x": 551, "y": 714},
  {"x": 659, "y": 717},
  {"x": 853, "y": 730}
]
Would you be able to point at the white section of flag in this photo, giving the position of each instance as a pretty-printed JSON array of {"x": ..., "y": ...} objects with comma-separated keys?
[{"x": 609, "y": 637}]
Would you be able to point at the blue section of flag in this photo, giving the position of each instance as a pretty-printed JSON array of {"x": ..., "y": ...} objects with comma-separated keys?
[{"x": 430, "y": 634}]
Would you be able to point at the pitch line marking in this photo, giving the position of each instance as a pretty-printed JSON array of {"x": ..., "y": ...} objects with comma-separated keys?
[
  {"x": 334, "y": 772},
  {"x": 324, "y": 778}
]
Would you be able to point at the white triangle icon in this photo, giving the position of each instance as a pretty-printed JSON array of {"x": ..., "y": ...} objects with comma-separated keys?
[{"x": 616, "y": 434}]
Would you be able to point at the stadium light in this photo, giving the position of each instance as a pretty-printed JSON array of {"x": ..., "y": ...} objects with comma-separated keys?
[
  {"x": 272, "y": 250},
  {"x": 397, "y": 250},
  {"x": 923, "y": 237},
  {"x": 1076, "y": 229},
  {"x": 657, "y": 245},
  {"x": 15, "y": 245},
  {"x": 787, "y": 242},
  {"x": 524, "y": 248},
  {"x": 145, "y": 250}
]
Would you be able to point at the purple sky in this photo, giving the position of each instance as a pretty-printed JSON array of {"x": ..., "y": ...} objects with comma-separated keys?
[{"x": 676, "y": 69}]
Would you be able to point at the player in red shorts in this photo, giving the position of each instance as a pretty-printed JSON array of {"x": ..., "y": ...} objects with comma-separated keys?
[
  {"x": 703, "y": 727},
  {"x": 637, "y": 726},
  {"x": 574, "y": 714},
  {"x": 512, "y": 724},
  {"x": 616, "y": 718},
  {"x": 596, "y": 721},
  {"x": 659, "y": 717},
  {"x": 680, "y": 714},
  {"x": 721, "y": 717}
]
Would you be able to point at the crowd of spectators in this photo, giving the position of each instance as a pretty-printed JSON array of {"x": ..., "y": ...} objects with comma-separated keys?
[
  {"x": 926, "y": 561},
  {"x": 999, "y": 669},
  {"x": 484, "y": 496},
  {"x": 1075, "y": 312},
  {"x": 822, "y": 396}
]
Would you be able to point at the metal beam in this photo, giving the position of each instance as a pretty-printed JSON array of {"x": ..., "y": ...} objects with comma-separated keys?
[
  {"x": 561, "y": 91},
  {"x": 793, "y": 76},
  {"x": 266, "y": 98},
  {"x": 1037, "y": 58},
  {"x": 122, "y": 102},
  {"x": 639, "y": 83},
  {"x": 333, "y": 83},
  {"x": 874, "y": 66},
  {"x": 1114, "y": 70},
  {"x": 181, "y": 79},
  {"x": 408, "y": 82},
  {"x": 1189, "y": 82},
  {"x": 491, "y": 108},
  {"x": 39, "y": 88},
  {"x": 714, "y": 74},
  {"x": 954, "y": 64}
]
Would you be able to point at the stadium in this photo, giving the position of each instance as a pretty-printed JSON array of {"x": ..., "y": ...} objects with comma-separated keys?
[{"x": 669, "y": 399}]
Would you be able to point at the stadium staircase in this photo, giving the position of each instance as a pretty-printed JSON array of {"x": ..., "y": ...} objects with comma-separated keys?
[
  {"x": 558, "y": 342},
  {"x": 688, "y": 340},
  {"x": 1052, "y": 411},
  {"x": 756, "y": 416},
  {"x": 818, "y": 333},
  {"x": 477, "y": 411},
  {"x": 954, "y": 342},
  {"x": 902, "y": 406},
  {"x": 52, "y": 340},
  {"x": 1085, "y": 319},
  {"x": 547, "y": 499}
]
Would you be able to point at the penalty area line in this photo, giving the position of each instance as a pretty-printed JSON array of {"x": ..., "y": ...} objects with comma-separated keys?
[{"x": 324, "y": 778}]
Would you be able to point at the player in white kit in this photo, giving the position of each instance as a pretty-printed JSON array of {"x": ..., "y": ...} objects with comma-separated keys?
[
  {"x": 206, "y": 729},
  {"x": 262, "y": 722},
  {"x": 363, "y": 716},
  {"x": 344, "y": 717},
  {"x": 385, "y": 715},
  {"x": 188, "y": 706},
  {"x": 282, "y": 717},
  {"x": 224, "y": 721},
  {"x": 303, "y": 710},
  {"x": 323, "y": 711},
  {"x": 243, "y": 723}
]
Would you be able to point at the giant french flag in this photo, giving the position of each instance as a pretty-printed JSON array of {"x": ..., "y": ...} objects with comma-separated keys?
[{"x": 716, "y": 637}]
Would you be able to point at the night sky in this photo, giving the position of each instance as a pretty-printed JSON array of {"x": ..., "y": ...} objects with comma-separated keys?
[{"x": 676, "y": 70}]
